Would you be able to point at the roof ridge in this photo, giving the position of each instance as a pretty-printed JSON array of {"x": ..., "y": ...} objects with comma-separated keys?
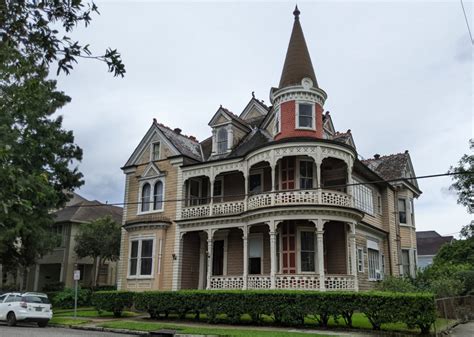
[
  {"x": 191, "y": 138},
  {"x": 386, "y": 156}
]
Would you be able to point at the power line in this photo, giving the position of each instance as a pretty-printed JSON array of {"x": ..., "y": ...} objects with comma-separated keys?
[
  {"x": 467, "y": 22},
  {"x": 373, "y": 182}
]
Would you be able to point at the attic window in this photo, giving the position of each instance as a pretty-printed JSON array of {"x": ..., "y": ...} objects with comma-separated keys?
[
  {"x": 155, "y": 151},
  {"x": 222, "y": 140}
]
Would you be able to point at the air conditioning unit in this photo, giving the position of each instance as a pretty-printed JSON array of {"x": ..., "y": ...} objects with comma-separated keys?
[{"x": 378, "y": 275}]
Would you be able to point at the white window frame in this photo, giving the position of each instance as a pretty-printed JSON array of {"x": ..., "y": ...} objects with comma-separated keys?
[
  {"x": 363, "y": 200},
  {"x": 260, "y": 237},
  {"x": 406, "y": 211},
  {"x": 373, "y": 244},
  {"x": 360, "y": 260},
  {"x": 298, "y": 250},
  {"x": 152, "y": 183},
  {"x": 277, "y": 128},
  {"x": 297, "y": 116},
  {"x": 141, "y": 238},
  {"x": 226, "y": 140},
  {"x": 297, "y": 173},
  {"x": 152, "y": 153}
]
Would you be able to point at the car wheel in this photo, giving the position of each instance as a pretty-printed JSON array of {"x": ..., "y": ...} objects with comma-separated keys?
[
  {"x": 11, "y": 319},
  {"x": 43, "y": 324}
]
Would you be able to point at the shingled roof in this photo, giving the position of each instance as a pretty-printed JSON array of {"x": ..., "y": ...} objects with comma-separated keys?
[
  {"x": 81, "y": 210},
  {"x": 186, "y": 145},
  {"x": 393, "y": 166},
  {"x": 298, "y": 63},
  {"x": 430, "y": 242}
]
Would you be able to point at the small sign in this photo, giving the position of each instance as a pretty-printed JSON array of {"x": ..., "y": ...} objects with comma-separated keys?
[{"x": 77, "y": 275}]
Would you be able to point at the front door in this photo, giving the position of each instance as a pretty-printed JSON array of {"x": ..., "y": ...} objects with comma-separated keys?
[
  {"x": 288, "y": 247},
  {"x": 218, "y": 258}
]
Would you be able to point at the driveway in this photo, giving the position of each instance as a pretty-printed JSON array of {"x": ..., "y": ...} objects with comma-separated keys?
[
  {"x": 463, "y": 330},
  {"x": 30, "y": 330}
]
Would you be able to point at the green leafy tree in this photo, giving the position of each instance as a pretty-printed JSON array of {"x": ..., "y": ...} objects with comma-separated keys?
[
  {"x": 464, "y": 179},
  {"x": 100, "y": 240},
  {"x": 37, "y": 156},
  {"x": 457, "y": 253}
]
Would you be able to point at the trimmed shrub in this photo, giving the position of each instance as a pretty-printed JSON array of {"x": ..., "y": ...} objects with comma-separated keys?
[
  {"x": 114, "y": 301},
  {"x": 65, "y": 299},
  {"x": 290, "y": 307}
]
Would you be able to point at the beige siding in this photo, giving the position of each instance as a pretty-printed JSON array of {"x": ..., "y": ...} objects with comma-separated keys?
[
  {"x": 190, "y": 261},
  {"x": 335, "y": 246},
  {"x": 235, "y": 252}
]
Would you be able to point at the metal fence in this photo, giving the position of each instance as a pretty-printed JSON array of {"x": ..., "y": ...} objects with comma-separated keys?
[{"x": 460, "y": 308}]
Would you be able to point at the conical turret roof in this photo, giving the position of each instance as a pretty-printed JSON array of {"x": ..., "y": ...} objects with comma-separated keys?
[{"x": 297, "y": 62}]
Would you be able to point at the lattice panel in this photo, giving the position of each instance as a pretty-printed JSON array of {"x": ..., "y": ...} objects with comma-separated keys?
[
  {"x": 195, "y": 211},
  {"x": 227, "y": 282},
  {"x": 258, "y": 282},
  {"x": 259, "y": 200},
  {"x": 296, "y": 197},
  {"x": 297, "y": 282},
  {"x": 339, "y": 282},
  {"x": 228, "y": 208},
  {"x": 336, "y": 198}
]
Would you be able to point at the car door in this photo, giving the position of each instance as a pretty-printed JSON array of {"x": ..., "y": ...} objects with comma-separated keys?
[{"x": 3, "y": 306}]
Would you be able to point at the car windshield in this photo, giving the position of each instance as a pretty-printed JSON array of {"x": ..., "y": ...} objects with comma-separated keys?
[{"x": 35, "y": 299}]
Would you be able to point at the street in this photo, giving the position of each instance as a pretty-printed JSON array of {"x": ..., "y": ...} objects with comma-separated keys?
[
  {"x": 32, "y": 330},
  {"x": 463, "y": 330}
]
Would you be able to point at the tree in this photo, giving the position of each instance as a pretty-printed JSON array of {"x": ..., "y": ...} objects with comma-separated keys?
[
  {"x": 100, "y": 240},
  {"x": 457, "y": 252},
  {"x": 37, "y": 156},
  {"x": 467, "y": 231},
  {"x": 464, "y": 179}
]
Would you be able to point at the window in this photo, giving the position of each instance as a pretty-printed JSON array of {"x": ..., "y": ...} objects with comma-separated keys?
[
  {"x": 218, "y": 189},
  {"x": 374, "y": 264},
  {"x": 194, "y": 192},
  {"x": 277, "y": 121},
  {"x": 402, "y": 211},
  {"x": 255, "y": 183},
  {"x": 146, "y": 190},
  {"x": 222, "y": 140},
  {"x": 363, "y": 198},
  {"x": 2, "y": 298},
  {"x": 412, "y": 212},
  {"x": 155, "y": 151},
  {"x": 405, "y": 262},
  {"x": 305, "y": 116},
  {"x": 255, "y": 243},
  {"x": 306, "y": 174},
  {"x": 158, "y": 196},
  {"x": 360, "y": 260},
  {"x": 379, "y": 204},
  {"x": 141, "y": 257},
  {"x": 307, "y": 251},
  {"x": 58, "y": 231}
]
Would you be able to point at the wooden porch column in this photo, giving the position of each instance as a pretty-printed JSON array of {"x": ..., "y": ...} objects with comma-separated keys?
[
  {"x": 210, "y": 246},
  {"x": 320, "y": 242},
  {"x": 272, "y": 173},
  {"x": 273, "y": 260},
  {"x": 211, "y": 194},
  {"x": 352, "y": 240},
  {"x": 246, "y": 190},
  {"x": 318, "y": 181},
  {"x": 245, "y": 273}
]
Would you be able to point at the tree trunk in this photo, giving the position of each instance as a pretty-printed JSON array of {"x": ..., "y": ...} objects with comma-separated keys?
[{"x": 94, "y": 272}]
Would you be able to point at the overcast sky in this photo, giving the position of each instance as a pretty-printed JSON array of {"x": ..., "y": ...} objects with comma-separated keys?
[{"x": 399, "y": 75}]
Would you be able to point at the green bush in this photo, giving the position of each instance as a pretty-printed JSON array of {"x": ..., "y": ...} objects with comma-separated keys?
[
  {"x": 114, "y": 301},
  {"x": 467, "y": 278},
  {"x": 291, "y": 307},
  {"x": 65, "y": 299},
  {"x": 397, "y": 284}
]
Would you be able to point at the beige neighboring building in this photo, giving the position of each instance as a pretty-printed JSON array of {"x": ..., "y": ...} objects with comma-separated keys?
[
  {"x": 275, "y": 198},
  {"x": 58, "y": 266}
]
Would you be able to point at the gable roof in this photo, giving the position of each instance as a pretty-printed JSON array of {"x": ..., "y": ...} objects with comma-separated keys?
[
  {"x": 430, "y": 242},
  {"x": 298, "y": 63},
  {"x": 87, "y": 211},
  {"x": 230, "y": 116},
  {"x": 344, "y": 137},
  {"x": 186, "y": 145}
]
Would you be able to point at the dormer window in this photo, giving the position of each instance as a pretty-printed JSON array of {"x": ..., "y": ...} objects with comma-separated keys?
[
  {"x": 305, "y": 116},
  {"x": 155, "y": 151},
  {"x": 222, "y": 140}
]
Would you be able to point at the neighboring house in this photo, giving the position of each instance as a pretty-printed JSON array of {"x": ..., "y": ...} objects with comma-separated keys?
[
  {"x": 428, "y": 244},
  {"x": 58, "y": 266},
  {"x": 274, "y": 199}
]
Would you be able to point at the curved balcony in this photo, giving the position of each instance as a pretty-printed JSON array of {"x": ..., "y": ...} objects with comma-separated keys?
[{"x": 283, "y": 198}]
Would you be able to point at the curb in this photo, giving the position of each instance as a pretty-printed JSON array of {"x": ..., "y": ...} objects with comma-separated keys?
[{"x": 101, "y": 329}]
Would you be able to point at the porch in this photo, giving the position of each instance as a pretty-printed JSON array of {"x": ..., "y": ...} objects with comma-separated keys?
[{"x": 291, "y": 254}]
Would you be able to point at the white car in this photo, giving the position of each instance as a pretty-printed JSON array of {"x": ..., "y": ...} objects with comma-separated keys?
[{"x": 25, "y": 307}]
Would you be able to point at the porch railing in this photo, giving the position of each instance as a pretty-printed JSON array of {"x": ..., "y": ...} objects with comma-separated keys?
[
  {"x": 300, "y": 197},
  {"x": 285, "y": 281}
]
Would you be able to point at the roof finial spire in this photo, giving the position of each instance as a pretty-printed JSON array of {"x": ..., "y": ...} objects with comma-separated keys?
[{"x": 296, "y": 13}]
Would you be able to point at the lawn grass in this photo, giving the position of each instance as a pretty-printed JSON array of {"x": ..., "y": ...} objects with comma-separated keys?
[
  {"x": 91, "y": 313},
  {"x": 231, "y": 332},
  {"x": 67, "y": 321}
]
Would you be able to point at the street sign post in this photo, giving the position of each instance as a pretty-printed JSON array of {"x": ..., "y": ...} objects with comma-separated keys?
[{"x": 77, "y": 277}]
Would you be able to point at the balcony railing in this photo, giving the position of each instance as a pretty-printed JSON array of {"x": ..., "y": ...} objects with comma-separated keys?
[
  {"x": 301, "y": 197},
  {"x": 285, "y": 281}
]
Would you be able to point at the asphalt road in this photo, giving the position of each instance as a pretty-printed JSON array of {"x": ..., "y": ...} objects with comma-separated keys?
[
  {"x": 463, "y": 330},
  {"x": 32, "y": 330}
]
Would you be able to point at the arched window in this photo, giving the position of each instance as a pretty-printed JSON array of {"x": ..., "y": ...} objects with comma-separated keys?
[
  {"x": 222, "y": 140},
  {"x": 158, "y": 196},
  {"x": 146, "y": 189}
]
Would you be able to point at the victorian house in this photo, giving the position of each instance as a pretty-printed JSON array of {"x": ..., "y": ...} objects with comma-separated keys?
[{"x": 276, "y": 198}]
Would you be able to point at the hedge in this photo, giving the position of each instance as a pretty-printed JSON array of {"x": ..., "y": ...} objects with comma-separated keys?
[
  {"x": 114, "y": 301},
  {"x": 289, "y": 307}
]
